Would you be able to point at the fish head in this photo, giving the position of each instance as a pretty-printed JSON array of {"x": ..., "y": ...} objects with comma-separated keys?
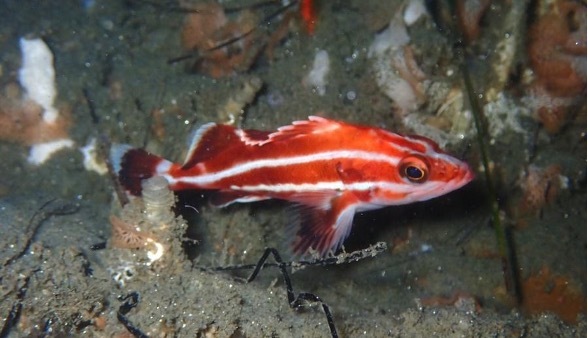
[{"x": 423, "y": 171}]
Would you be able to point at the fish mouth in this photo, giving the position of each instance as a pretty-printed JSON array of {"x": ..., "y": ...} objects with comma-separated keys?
[
  {"x": 463, "y": 176},
  {"x": 467, "y": 175}
]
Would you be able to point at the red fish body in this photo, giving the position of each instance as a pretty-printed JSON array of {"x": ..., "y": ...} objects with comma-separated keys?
[
  {"x": 308, "y": 14},
  {"x": 332, "y": 169}
]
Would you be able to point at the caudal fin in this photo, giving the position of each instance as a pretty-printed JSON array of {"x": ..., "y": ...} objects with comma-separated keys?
[{"x": 133, "y": 165}]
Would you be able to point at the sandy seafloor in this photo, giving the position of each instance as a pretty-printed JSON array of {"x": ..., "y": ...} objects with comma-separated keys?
[{"x": 440, "y": 276}]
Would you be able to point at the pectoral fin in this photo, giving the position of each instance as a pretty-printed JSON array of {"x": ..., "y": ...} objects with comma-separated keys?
[{"x": 324, "y": 230}]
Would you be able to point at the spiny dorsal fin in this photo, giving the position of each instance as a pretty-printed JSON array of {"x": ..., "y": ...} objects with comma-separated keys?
[
  {"x": 212, "y": 138},
  {"x": 252, "y": 137},
  {"x": 314, "y": 125}
]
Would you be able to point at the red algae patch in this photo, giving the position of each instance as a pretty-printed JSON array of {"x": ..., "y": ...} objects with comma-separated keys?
[
  {"x": 546, "y": 292},
  {"x": 540, "y": 187}
]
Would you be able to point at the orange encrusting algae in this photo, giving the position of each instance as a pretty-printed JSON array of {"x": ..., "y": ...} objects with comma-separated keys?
[
  {"x": 546, "y": 292},
  {"x": 21, "y": 120},
  {"x": 207, "y": 28},
  {"x": 557, "y": 54},
  {"x": 540, "y": 187}
]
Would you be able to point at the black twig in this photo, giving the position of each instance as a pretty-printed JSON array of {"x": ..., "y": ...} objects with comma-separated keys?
[
  {"x": 131, "y": 300},
  {"x": 91, "y": 106},
  {"x": 342, "y": 258},
  {"x": 47, "y": 210},
  {"x": 14, "y": 314},
  {"x": 262, "y": 22}
]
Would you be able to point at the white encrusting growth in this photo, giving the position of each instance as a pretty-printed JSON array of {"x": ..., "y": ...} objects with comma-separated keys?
[
  {"x": 317, "y": 77},
  {"x": 394, "y": 70},
  {"x": 156, "y": 254},
  {"x": 37, "y": 76},
  {"x": 41, "y": 152},
  {"x": 387, "y": 55},
  {"x": 414, "y": 10},
  {"x": 91, "y": 158}
]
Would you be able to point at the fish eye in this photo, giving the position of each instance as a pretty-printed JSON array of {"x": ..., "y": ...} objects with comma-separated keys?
[{"x": 414, "y": 168}]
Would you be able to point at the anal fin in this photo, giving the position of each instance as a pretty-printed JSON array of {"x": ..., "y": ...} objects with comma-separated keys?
[{"x": 223, "y": 198}]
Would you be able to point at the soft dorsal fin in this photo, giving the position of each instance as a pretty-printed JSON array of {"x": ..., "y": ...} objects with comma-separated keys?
[{"x": 209, "y": 140}]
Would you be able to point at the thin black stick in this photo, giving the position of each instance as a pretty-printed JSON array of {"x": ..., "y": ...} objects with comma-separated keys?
[
  {"x": 37, "y": 220},
  {"x": 268, "y": 18},
  {"x": 131, "y": 300},
  {"x": 294, "y": 302}
]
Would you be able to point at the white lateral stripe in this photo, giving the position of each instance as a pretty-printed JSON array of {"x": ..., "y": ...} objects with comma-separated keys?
[
  {"x": 286, "y": 161},
  {"x": 318, "y": 186},
  {"x": 289, "y": 187}
]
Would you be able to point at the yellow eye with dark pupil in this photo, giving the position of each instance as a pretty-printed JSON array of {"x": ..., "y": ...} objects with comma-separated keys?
[
  {"x": 414, "y": 168},
  {"x": 413, "y": 173}
]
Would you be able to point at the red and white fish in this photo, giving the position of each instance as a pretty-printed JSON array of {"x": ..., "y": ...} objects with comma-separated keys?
[{"x": 332, "y": 169}]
